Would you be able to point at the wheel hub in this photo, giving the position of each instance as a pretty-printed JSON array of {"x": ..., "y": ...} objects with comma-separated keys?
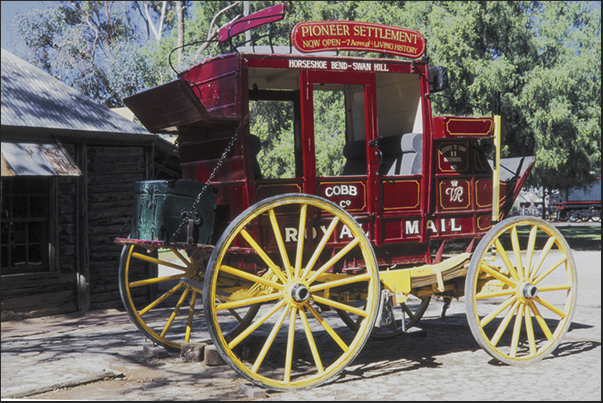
[
  {"x": 299, "y": 293},
  {"x": 529, "y": 291}
]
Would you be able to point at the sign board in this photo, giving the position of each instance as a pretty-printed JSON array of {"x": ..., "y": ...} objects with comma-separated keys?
[{"x": 321, "y": 36}]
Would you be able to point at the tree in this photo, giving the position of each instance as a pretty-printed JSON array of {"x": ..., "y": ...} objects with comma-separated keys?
[
  {"x": 95, "y": 47},
  {"x": 544, "y": 57}
]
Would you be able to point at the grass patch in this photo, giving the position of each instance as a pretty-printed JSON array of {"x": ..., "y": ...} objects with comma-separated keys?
[
  {"x": 582, "y": 237},
  {"x": 578, "y": 237}
]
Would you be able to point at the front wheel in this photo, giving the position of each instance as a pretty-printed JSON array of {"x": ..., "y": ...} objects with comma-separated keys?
[
  {"x": 288, "y": 253},
  {"x": 520, "y": 290}
]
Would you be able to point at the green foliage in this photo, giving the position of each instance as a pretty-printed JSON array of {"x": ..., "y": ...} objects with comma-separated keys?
[
  {"x": 272, "y": 122},
  {"x": 91, "y": 46},
  {"x": 329, "y": 132},
  {"x": 544, "y": 57}
]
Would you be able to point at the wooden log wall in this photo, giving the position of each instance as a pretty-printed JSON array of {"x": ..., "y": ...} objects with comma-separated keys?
[
  {"x": 112, "y": 171},
  {"x": 54, "y": 292},
  {"x": 88, "y": 213}
]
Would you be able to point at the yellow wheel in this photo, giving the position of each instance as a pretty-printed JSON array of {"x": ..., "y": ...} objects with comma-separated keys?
[
  {"x": 160, "y": 298},
  {"x": 297, "y": 340},
  {"x": 520, "y": 290}
]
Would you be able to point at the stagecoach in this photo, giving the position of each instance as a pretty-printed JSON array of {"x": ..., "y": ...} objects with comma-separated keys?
[{"x": 289, "y": 272}]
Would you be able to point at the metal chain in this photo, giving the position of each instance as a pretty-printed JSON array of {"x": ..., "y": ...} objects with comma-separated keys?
[{"x": 188, "y": 213}]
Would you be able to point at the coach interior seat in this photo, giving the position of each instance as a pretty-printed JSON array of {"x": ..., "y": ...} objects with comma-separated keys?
[{"x": 402, "y": 154}]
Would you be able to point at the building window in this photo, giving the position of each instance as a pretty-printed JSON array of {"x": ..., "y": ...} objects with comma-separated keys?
[{"x": 26, "y": 203}]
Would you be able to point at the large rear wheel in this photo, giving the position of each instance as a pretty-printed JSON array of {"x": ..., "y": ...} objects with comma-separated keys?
[
  {"x": 297, "y": 340},
  {"x": 161, "y": 290}
]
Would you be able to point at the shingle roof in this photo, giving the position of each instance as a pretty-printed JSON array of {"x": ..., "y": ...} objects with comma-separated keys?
[{"x": 33, "y": 98}]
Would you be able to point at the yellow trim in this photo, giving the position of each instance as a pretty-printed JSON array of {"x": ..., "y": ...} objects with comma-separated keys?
[
  {"x": 400, "y": 280},
  {"x": 496, "y": 170},
  {"x": 448, "y": 121}
]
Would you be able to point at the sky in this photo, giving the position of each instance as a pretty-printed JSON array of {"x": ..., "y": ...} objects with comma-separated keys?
[{"x": 9, "y": 11}]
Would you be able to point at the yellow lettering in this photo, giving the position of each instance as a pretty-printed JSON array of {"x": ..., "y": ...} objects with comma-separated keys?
[{"x": 304, "y": 31}]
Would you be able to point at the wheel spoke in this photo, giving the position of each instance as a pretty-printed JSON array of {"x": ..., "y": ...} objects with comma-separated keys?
[
  {"x": 255, "y": 325},
  {"x": 281, "y": 245},
  {"x": 503, "y": 254},
  {"x": 249, "y": 301},
  {"x": 329, "y": 329},
  {"x": 339, "y": 305},
  {"x": 494, "y": 294},
  {"x": 311, "y": 342},
  {"x": 342, "y": 282},
  {"x": 530, "y": 330},
  {"x": 487, "y": 319},
  {"x": 159, "y": 300},
  {"x": 557, "y": 263},
  {"x": 174, "y": 312},
  {"x": 290, "y": 340},
  {"x": 492, "y": 271},
  {"x": 155, "y": 280},
  {"x": 333, "y": 260},
  {"x": 551, "y": 307},
  {"x": 250, "y": 277},
  {"x": 271, "y": 265},
  {"x": 270, "y": 340},
  {"x": 540, "y": 320},
  {"x": 320, "y": 247},
  {"x": 530, "y": 251},
  {"x": 503, "y": 325},
  {"x": 299, "y": 254},
  {"x": 151, "y": 259},
  {"x": 189, "y": 322},
  {"x": 516, "y": 251},
  {"x": 181, "y": 257},
  {"x": 543, "y": 254},
  {"x": 516, "y": 330},
  {"x": 556, "y": 287}
]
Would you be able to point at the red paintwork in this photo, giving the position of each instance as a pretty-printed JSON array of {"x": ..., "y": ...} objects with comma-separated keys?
[
  {"x": 451, "y": 198},
  {"x": 266, "y": 16},
  {"x": 461, "y": 127}
]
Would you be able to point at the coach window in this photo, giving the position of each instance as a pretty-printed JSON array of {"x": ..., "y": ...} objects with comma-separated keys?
[
  {"x": 274, "y": 123},
  {"x": 339, "y": 130}
]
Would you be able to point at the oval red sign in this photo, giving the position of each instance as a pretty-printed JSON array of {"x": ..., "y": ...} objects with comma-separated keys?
[{"x": 354, "y": 35}]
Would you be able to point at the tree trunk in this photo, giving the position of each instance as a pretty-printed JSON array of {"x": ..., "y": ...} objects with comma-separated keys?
[
  {"x": 180, "y": 15},
  {"x": 245, "y": 14}
]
